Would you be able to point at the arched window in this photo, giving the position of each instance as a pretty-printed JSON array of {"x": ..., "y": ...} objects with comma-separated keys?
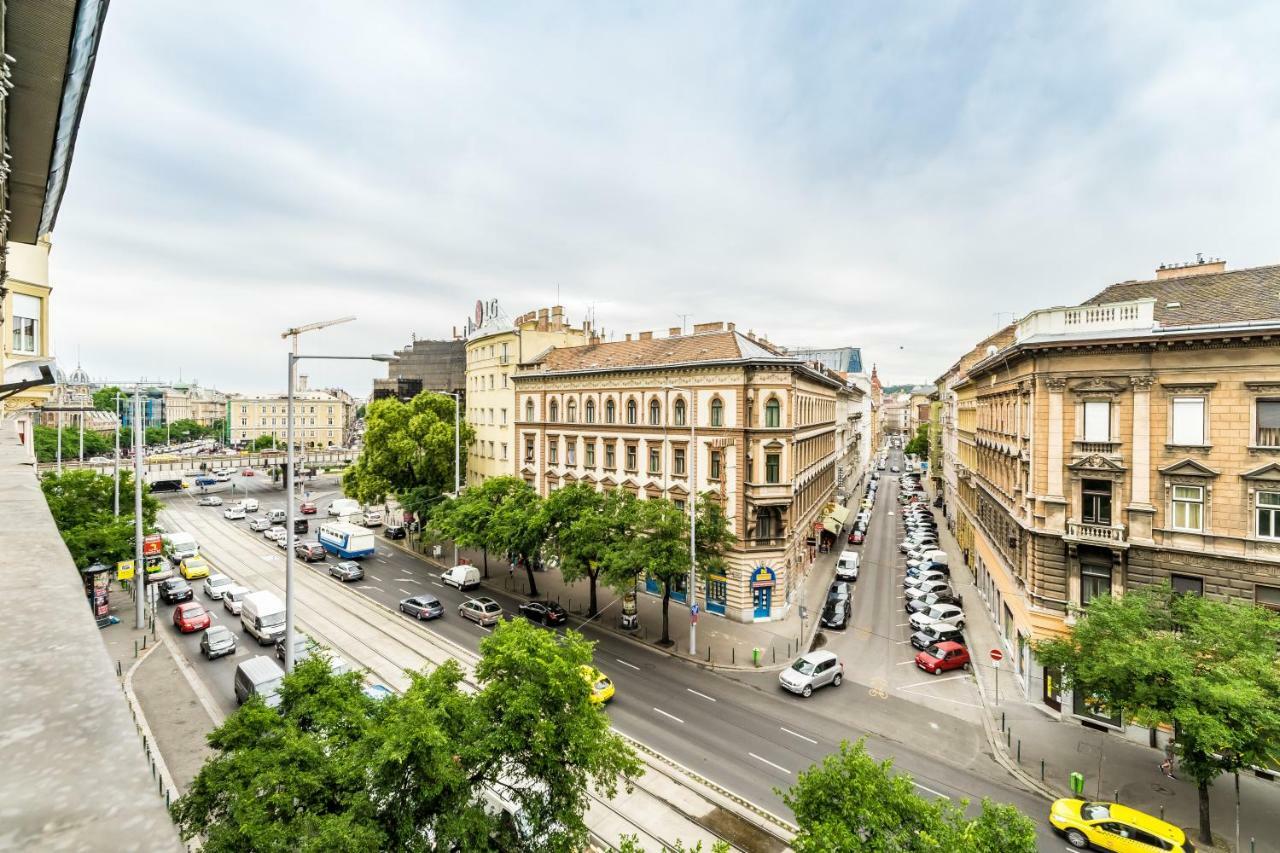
[
  {"x": 717, "y": 412},
  {"x": 553, "y": 411},
  {"x": 678, "y": 413},
  {"x": 528, "y": 410},
  {"x": 571, "y": 411},
  {"x": 590, "y": 411},
  {"x": 655, "y": 413},
  {"x": 773, "y": 413},
  {"x": 609, "y": 414},
  {"x": 631, "y": 411}
]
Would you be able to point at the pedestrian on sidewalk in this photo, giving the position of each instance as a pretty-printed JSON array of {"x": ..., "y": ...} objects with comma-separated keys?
[{"x": 1166, "y": 767}]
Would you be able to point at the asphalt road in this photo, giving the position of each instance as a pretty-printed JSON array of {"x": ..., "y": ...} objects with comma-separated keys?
[{"x": 740, "y": 730}]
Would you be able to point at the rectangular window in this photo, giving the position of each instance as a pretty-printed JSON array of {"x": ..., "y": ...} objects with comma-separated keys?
[
  {"x": 610, "y": 456},
  {"x": 1188, "y": 420},
  {"x": 772, "y": 467},
  {"x": 1095, "y": 581},
  {"x": 631, "y": 457},
  {"x": 1188, "y": 508},
  {"x": 491, "y": 450},
  {"x": 655, "y": 460},
  {"x": 1096, "y": 507},
  {"x": 1268, "y": 430},
  {"x": 504, "y": 450},
  {"x": 1267, "y": 596},
  {"x": 680, "y": 505},
  {"x": 1097, "y": 420},
  {"x": 504, "y": 381},
  {"x": 591, "y": 454},
  {"x": 528, "y": 450},
  {"x": 553, "y": 451},
  {"x": 1268, "y": 514},
  {"x": 571, "y": 451},
  {"x": 26, "y": 324},
  {"x": 715, "y": 465},
  {"x": 677, "y": 462},
  {"x": 504, "y": 417},
  {"x": 1187, "y": 585}
]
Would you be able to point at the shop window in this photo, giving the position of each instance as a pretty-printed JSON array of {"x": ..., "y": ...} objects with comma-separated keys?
[{"x": 1188, "y": 508}]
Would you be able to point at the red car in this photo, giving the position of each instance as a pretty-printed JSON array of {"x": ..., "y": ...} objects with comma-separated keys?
[
  {"x": 247, "y": 472},
  {"x": 855, "y": 538},
  {"x": 307, "y": 508},
  {"x": 191, "y": 617},
  {"x": 941, "y": 657}
]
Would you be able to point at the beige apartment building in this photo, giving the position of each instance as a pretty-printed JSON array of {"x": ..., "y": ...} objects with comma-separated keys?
[
  {"x": 1129, "y": 440},
  {"x": 320, "y": 418},
  {"x": 24, "y": 318},
  {"x": 764, "y": 439},
  {"x": 494, "y": 347}
]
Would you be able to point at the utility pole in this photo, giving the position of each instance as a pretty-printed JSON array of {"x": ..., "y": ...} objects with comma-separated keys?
[
  {"x": 60, "y": 439},
  {"x": 115, "y": 468},
  {"x": 139, "y": 568}
]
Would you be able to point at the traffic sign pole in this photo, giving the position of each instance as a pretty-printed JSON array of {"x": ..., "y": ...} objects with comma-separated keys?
[{"x": 996, "y": 655}]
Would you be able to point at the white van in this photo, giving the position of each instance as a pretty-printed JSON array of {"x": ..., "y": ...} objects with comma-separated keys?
[
  {"x": 262, "y": 615},
  {"x": 847, "y": 566},
  {"x": 463, "y": 577},
  {"x": 178, "y": 546},
  {"x": 260, "y": 676},
  {"x": 277, "y": 516},
  {"x": 344, "y": 506},
  {"x": 250, "y": 504}
]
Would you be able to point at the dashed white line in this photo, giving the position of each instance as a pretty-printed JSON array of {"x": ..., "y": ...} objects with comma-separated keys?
[
  {"x": 405, "y": 572},
  {"x": 797, "y": 734},
  {"x": 483, "y": 628},
  {"x": 770, "y": 763},
  {"x": 931, "y": 791},
  {"x": 665, "y": 714},
  {"x": 437, "y": 583},
  {"x": 380, "y": 560},
  {"x": 405, "y": 591},
  {"x": 703, "y": 695},
  {"x": 624, "y": 663},
  {"x": 364, "y": 587},
  {"x": 410, "y": 580}
]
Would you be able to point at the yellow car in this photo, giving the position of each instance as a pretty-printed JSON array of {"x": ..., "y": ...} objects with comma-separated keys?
[
  {"x": 194, "y": 567},
  {"x": 1111, "y": 826},
  {"x": 599, "y": 683}
]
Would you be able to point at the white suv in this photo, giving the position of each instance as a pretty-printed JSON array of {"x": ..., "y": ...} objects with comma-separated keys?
[{"x": 811, "y": 671}]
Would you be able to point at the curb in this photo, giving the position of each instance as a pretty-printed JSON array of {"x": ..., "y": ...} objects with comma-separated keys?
[
  {"x": 1001, "y": 755},
  {"x": 150, "y": 748}
]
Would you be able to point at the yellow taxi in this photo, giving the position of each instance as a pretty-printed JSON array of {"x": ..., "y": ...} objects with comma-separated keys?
[
  {"x": 1111, "y": 826},
  {"x": 599, "y": 683},
  {"x": 194, "y": 567}
]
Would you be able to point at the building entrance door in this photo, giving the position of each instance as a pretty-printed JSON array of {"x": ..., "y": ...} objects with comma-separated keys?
[{"x": 763, "y": 598}]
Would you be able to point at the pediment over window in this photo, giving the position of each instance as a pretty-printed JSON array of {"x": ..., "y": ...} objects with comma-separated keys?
[
  {"x": 678, "y": 489},
  {"x": 552, "y": 475},
  {"x": 1188, "y": 468},
  {"x": 1099, "y": 385},
  {"x": 1269, "y": 473},
  {"x": 1097, "y": 462},
  {"x": 569, "y": 477},
  {"x": 606, "y": 480},
  {"x": 773, "y": 444},
  {"x": 588, "y": 478}
]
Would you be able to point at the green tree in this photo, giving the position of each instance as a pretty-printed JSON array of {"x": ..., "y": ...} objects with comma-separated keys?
[
  {"x": 1208, "y": 667},
  {"x": 82, "y": 504},
  {"x": 586, "y": 529},
  {"x": 155, "y": 436},
  {"x": 518, "y": 527},
  {"x": 631, "y": 844},
  {"x": 104, "y": 399},
  {"x": 467, "y": 519},
  {"x": 659, "y": 549},
  {"x": 187, "y": 430},
  {"x": 45, "y": 442},
  {"x": 713, "y": 536},
  {"x": 265, "y": 442},
  {"x": 407, "y": 446},
  {"x": 850, "y": 802},
  {"x": 919, "y": 445}
]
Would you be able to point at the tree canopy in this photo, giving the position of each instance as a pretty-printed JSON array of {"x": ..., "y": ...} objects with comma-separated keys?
[
  {"x": 82, "y": 503},
  {"x": 104, "y": 399},
  {"x": 46, "y": 443},
  {"x": 332, "y": 769},
  {"x": 1207, "y": 667},
  {"x": 466, "y": 519},
  {"x": 586, "y": 529},
  {"x": 850, "y": 802},
  {"x": 919, "y": 445},
  {"x": 407, "y": 447}
]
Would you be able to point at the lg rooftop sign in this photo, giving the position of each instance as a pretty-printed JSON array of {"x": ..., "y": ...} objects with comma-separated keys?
[{"x": 487, "y": 314}]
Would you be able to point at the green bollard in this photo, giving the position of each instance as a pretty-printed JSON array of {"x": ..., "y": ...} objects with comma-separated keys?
[
  {"x": 1077, "y": 783},
  {"x": 755, "y": 656}
]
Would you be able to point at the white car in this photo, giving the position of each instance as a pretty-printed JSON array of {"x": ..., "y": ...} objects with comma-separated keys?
[
  {"x": 250, "y": 504},
  {"x": 926, "y": 588},
  {"x": 948, "y": 613},
  {"x": 274, "y": 533},
  {"x": 222, "y": 476},
  {"x": 215, "y": 586},
  {"x": 233, "y": 598},
  {"x": 259, "y": 524},
  {"x": 209, "y": 500},
  {"x": 924, "y": 577},
  {"x": 233, "y": 513},
  {"x": 372, "y": 518},
  {"x": 99, "y": 460}
]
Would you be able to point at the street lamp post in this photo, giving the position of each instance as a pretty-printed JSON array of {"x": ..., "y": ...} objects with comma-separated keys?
[
  {"x": 693, "y": 517},
  {"x": 457, "y": 454},
  {"x": 290, "y": 506},
  {"x": 139, "y": 568},
  {"x": 115, "y": 468}
]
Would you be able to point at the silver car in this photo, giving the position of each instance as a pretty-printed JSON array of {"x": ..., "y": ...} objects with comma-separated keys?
[
  {"x": 811, "y": 671},
  {"x": 216, "y": 585},
  {"x": 233, "y": 599}
]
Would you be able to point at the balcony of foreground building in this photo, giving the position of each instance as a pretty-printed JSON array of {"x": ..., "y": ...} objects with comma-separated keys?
[
  {"x": 74, "y": 776},
  {"x": 768, "y": 492},
  {"x": 1092, "y": 533},
  {"x": 764, "y": 543},
  {"x": 1113, "y": 319}
]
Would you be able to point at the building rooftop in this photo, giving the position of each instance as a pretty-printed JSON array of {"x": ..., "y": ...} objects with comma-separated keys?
[
  {"x": 710, "y": 346},
  {"x": 1229, "y": 296}
]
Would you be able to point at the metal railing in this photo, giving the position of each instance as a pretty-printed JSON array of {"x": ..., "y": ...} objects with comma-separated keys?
[{"x": 1096, "y": 532}]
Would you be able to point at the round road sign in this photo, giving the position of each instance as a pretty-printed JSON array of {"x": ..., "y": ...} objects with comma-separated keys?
[{"x": 997, "y": 655}]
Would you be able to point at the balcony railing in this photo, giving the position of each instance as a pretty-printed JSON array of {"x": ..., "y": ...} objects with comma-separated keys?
[
  {"x": 1085, "y": 531},
  {"x": 1134, "y": 316},
  {"x": 1106, "y": 448},
  {"x": 766, "y": 542}
]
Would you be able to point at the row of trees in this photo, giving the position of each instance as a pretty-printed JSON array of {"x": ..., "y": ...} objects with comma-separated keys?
[
  {"x": 83, "y": 505},
  {"x": 610, "y": 536},
  {"x": 96, "y": 444}
]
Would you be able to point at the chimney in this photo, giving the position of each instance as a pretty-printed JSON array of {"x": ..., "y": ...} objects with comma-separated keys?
[
  {"x": 674, "y": 332},
  {"x": 699, "y": 328},
  {"x": 646, "y": 336},
  {"x": 1200, "y": 266},
  {"x": 628, "y": 336},
  {"x": 302, "y": 382},
  {"x": 733, "y": 326},
  {"x": 557, "y": 317}
]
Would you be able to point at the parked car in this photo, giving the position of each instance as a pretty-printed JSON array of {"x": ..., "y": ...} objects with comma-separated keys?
[
  {"x": 422, "y": 607},
  {"x": 221, "y": 476},
  {"x": 927, "y": 566},
  {"x": 927, "y": 575},
  {"x": 174, "y": 590},
  {"x": 484, "y": 611},
  {"x": 191, "y": 617},
  {"x": 394, "y": 531},
  {"x": 949, "y": 613},
  {"x": 942, "y": 657},
  {"x": 277, "y": 516},
  {"x": 218, "y": 640},
  {"x": 275, "y": 532},
  {"x": 215, "y": 586},
  {"x": 259, "y": 524},
  {"x": 307, "y": 508},
  {"x": 835, "y": 614},
  {"x": 310, "y": 552},
  {"x": 847, "y": 566},
  {"x": 856, "y": 537},
  {"x": 839, "y": 591},
  {"x": 544, "y": 612},
  {"x": 937, "y": 633},
  {"x": 233, "y": 513},
  {"x": 811, "y": 671},
  {"x": 233, "y": 598},
  {"x": 209, "y": 500},
  {"x": 347, "y": 570},
  {"x": 371, "y": 518},
  {"x": 247, "y": 472},
  {"x": 1111, "y": 826},
  {"x": 944, "y": 595}
]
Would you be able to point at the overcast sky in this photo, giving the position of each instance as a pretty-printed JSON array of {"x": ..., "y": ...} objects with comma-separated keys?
[{"x": 891, "y": 176}]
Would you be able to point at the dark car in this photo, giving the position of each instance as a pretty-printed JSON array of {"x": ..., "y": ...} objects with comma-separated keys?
[
  {"x": 422, "y": 607},
  {"x": 309, "y": 551},
  {"x": 347, "y": 570},
  {"x": 836, "y": 614},
  {"x": 938, "y": 633},
  {"x": 544, "y": 612},
  {"x": 218, "y": 640},
  {"x": 856, "y": 537},
  {"x": 301, "y": 525},
  {"x": 176, "y": 589},
  {"x": 839, "y": 591},
  {"x": 303, "y": 647},
  {"x": 394, "y": 531}
]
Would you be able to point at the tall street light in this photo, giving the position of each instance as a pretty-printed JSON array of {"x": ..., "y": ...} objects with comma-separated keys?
[
  {"x": 290, "y": 505},
  {"x": 457, "y": 453},
  {"x": 693, "y": 516}
]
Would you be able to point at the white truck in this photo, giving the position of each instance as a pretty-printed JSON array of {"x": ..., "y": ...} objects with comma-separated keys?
[
  {"x": 344, "y": 506},
  {"x": 348, "y": 541},
  {"x": 262, "y": 615},
  {"x": 178, "y": 546}
]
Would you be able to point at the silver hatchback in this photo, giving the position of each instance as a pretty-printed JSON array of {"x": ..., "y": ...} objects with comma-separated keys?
[{"x": 811, "y": 671}]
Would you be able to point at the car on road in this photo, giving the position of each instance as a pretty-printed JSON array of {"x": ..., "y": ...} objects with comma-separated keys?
[
  {"x": 98, "y": 460},
  {"x": 394, "y": 531},
  {"x": 939, "y": 633},
  {"x": 811, "y": 671},
  {"x": 370, "y": 518},
  {"x": 233, "y": 513},
  {"x": 174, "y": 590},
  {"x": 274, "y": 532},
  {"x": 927, "y": 565},
  {"x": 233, "y": 598},
  {"x": 945, "y": 595},
  {"x": 544, "y": 612},
  {"x": 221, "y": 476},
  {"x": 894, "y": 468},
  {"x": 839, "y": 591},
  {"x": 247, "y": 472},
  {"x": 282, "y": 541},
  {"x": 216, "y": 585},
  {"x": 484, "y": 611},
  {"x": 598, "y": 683},
  {"x": 209, "y": 500},
  {"x": 422, "y": 607},
  {"x": 250, "y": 504},
  {"x": 193, "y": 567},
  {"x": 1111, "y": 826},
  {"x": 948, "y": 613},
  {"x": 847, "y": 566},
  {"x": 259, "y": 676},
  {"x": 941, "y": 657},
  {"x": 259, "y": 524},
  {"x": 303, "y": 647},
  {"x": 191, "y": 617},
  {"x": 307, "y": 508},
  {"x": 277, "y": 516},
  {"x": 310, "y": 552},
  {"x": 218, "y": 640},
  {"x": 347, "y": 570},
  {"x": 835, "y": 614},
  {"x": 856, "y": 537}
]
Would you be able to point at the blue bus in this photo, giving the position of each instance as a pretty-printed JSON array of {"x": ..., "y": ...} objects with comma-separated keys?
[{"x": 346, "y": 540}]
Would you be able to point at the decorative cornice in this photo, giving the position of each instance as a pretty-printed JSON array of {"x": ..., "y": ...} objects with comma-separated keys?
[
  {"x": 1098, "y": 385},
  {"x": 1142, "y": 383},
  {"x": 1188, "y": 387},
  {"x": 1056, "y": 384},
  {"x": 1269, "y": 472},
  {"x": 1097, "y": 462},
  {"x": 1262, "y": 386}
]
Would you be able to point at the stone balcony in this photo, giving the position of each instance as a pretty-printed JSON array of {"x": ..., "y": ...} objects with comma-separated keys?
[
  {"x": 765, "y": 543},
  {"x": 1090, "y": 533}
]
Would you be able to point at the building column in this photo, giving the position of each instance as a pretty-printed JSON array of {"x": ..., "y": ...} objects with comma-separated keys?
[
  {"x": 1055, "y": 502},
  {"x": 1141, "y": 512}
]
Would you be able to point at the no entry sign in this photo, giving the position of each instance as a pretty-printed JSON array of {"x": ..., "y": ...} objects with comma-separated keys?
[{"x": 997, "y": 655}]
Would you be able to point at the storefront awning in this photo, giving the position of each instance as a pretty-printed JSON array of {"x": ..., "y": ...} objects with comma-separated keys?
[{"x": 835, "y": 520}]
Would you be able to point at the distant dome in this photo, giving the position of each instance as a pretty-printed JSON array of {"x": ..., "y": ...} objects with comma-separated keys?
[
  {"x": 59, "y": 377},
  {"x": 78, "y": 377}
]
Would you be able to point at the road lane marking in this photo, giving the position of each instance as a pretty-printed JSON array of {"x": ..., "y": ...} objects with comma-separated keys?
[
  {"x": 624, "y": 663},
  {"x": 405, "y": 591},
  {"x": 770, "y": 763},
  {"x": 364, "y": 587},
  {"x": 904, "y": 663},
  {"x": 703, "y": 695},
  {"x": 797, "y": 734},
  {"x": 380, "y": 560},
  {"x": 405, "y": 572},
  {"x": 437, "y": 583},
  {"x": 930, "y": 790},
  {"x": 483, "y": 628},
  {"x": 672, "y": 716},
  {"x": 410, "y": 580},
  {"x": 934, "y": 680}
]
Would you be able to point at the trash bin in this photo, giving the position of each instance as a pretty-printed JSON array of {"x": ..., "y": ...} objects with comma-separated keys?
[
  {"x": 755, "y": 656},
  {"x": 1077, "y": 784}
]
